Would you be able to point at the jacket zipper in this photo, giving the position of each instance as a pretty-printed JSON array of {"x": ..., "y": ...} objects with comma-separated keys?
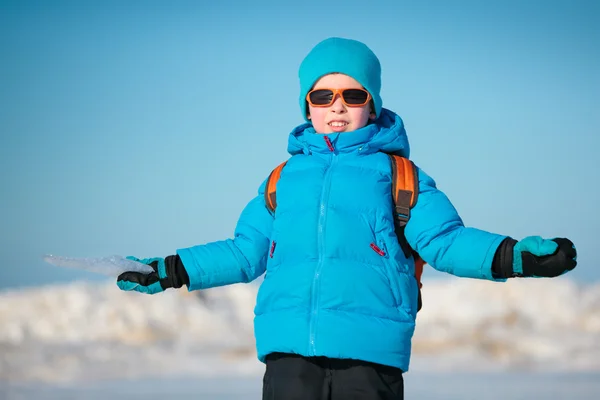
[{"x": 321, "y": 243}]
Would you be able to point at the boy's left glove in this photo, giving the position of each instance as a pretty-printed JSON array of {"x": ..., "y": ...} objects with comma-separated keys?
[
  {"x": 534, "y": 257},
  {"x": 168, "y": 273}
]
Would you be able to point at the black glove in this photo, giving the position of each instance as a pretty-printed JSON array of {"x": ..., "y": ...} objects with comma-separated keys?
[
  {"x": 534, "y": 257},
  {"x": 168, "y": 273}
]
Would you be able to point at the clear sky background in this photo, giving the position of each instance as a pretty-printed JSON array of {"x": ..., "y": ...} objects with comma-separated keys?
[{"x": 140, "y": 127}]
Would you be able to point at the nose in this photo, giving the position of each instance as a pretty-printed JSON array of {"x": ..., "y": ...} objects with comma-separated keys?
[{"x": 338, "y": 105}]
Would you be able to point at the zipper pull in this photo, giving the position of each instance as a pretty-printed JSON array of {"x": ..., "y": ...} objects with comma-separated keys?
[
  {"x": 273, "y": 244},
  {"x": 329, "y": 144},
  {"x": 377, "y": 250}
]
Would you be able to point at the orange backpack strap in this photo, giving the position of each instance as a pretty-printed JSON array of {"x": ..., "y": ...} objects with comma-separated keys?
[
  {"x": 405, "y": 191},
  {"x": 405, "y": 188},
  {"x": 271, "y": 187}
]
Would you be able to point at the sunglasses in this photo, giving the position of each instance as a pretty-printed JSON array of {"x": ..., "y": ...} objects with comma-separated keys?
[{"x": 326, "y": 97}]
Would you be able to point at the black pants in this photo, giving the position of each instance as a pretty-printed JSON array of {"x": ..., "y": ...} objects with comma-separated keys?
[{"x": 293, "y": 377}]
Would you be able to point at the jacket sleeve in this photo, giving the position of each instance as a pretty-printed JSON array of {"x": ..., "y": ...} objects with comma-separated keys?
[
  {"x": 437, "y": 233},
  {"x": 241, "y": 259}
]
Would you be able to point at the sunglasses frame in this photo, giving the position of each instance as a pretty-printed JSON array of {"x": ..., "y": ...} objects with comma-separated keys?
[{"x": 336, "y": 93}]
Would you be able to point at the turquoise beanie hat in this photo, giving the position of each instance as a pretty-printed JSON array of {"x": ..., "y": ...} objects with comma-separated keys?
[{"x": 344, "y": 56}]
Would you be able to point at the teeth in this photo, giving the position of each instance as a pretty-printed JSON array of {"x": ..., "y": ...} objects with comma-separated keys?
[{"x": 338, "y": 124}]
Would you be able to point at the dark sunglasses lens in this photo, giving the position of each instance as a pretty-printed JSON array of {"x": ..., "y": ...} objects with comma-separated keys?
[
  {"x": 355, "y": 96},
  {"x": 321, "y": 97}
]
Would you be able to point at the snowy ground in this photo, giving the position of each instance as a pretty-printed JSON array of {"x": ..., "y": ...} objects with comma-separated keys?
[
  {"x": 423, "y": 386},
  {"x": 523, "y": 339}
]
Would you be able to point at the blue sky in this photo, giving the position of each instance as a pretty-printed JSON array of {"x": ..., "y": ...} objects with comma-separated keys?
[{"x": 140, "y": 127}]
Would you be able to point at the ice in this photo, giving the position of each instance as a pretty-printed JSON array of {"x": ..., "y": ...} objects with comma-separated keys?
[{"x": 111, "y": 266}]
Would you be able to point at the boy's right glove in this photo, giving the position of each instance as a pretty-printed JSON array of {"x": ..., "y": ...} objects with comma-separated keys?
[
  {"x": 168, "y": 273},
  {"x": 534, "y": 257}
]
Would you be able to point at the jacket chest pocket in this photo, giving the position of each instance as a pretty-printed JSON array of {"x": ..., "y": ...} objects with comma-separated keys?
[
  {"x": 273, "y": 261},
  {"x": 401, "y": 283}
]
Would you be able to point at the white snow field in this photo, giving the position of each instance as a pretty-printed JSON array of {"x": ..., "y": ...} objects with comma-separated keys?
[{"x": 474, "y": 339}]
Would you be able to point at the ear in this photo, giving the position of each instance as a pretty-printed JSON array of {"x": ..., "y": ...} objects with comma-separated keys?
[
  {"x": 307, "y": 116},
  {"x": 372, "y": 116}
]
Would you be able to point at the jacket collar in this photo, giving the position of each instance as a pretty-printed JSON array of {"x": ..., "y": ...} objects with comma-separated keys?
[{"x": 385, "y": 134}]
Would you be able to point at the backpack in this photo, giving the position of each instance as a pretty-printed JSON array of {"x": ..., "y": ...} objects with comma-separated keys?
[{"x": 405, "y": 190}]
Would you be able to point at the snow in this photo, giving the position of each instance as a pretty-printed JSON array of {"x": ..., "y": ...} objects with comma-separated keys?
[{"x": 82, "y": 334}]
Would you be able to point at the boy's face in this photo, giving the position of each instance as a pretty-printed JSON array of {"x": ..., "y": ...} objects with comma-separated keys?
[{"x": 338, "y": 117}]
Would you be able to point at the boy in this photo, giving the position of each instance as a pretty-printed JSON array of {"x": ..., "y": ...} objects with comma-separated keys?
[{"x": 336, "y": 311}]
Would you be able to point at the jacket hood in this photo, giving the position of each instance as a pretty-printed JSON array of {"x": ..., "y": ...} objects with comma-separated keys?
[{"x": 385, "y": 134}]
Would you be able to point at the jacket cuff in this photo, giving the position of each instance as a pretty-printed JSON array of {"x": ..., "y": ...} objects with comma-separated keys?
[
  {"x": 176, "y": 272},
  {"x": 502, "y": 265}
]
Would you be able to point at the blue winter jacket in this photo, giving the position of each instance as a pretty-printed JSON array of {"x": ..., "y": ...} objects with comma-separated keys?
[{"x": 326, "y": 291}]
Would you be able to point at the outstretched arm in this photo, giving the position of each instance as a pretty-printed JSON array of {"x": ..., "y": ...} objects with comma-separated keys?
[
  {"x": 241, "y": 259},
  {"x": 437, "y": 233}
]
